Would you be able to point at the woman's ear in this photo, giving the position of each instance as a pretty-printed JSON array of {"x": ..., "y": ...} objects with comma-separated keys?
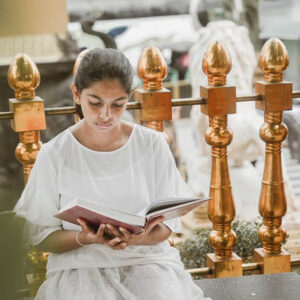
[{"x": 76, "y": 94}]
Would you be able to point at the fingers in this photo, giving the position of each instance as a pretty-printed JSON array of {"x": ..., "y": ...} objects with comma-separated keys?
[
  {"x": 100, "y": 231},
  {"x": 112, "y": 243},
  {"x": 126, "y": 234},
  {"x": 112, "y": 229},
  {"x": 153, "y": 223},
  {"x": 120, "y": 246},
  {"x": 85, "y": 226},
  {"x": 116, "y": 243}
]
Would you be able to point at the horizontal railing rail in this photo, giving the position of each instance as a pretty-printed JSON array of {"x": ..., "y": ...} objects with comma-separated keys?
[
  {"x": 247, "y": 267},
  {"x": 70, "y": 110}
]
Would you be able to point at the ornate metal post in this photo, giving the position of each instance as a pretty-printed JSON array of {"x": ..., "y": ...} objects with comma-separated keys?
[
  {"x": 156, "y": 101},
  {"x": 277, "y": 97},
  {"x": 221, "y": 101},
  {"x": 29, "y": 119},
  {"x": 29, "y": 113}
]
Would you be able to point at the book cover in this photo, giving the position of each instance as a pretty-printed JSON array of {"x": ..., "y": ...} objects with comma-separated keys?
[{"x": 96, "y": 214}]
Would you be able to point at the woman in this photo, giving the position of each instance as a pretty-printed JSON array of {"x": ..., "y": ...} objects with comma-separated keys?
[{"x": 105, "y": 160}]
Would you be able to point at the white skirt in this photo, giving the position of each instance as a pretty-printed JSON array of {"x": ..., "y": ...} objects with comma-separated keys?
[{"x": 138, "y": 282}]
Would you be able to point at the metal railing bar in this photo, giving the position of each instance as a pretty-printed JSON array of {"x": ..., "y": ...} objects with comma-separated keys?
[
  {"x": 6, "y": 115},
  {"x": 246, "y": 267},
  {"x": 69, "y": 110},
  {"x": 200, "y": 271}
]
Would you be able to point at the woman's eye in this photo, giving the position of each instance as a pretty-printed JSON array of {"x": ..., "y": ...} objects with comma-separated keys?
[
  {"x": 118, "y": 105},
  {"x": 95, "y": 103}
]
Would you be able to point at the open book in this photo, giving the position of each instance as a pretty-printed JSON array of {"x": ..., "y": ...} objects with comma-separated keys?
[{"x": 96, "y": 214}]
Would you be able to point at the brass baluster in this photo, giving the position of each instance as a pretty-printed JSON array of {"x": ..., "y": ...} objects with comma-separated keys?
[
  {"x": 29, "y": 118},
  {"x": 29, "y": 113},
  {"x": 155, "y": 100},
  {"x": 276, "y": 98},
  {"x": 221, "y": 101}
]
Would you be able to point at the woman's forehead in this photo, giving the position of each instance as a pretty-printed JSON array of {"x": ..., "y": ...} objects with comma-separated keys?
[
  {"x": 110, "y": 90},
  {"x": 107, "y": 84},
  {"x": 121, "y": 98}
]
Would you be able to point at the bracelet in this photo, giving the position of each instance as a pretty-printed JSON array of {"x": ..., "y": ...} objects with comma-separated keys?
[{"x": 77, "y": 240}]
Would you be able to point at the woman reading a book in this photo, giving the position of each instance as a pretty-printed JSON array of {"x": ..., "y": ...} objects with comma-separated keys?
[{"x": 103, "y": 159}]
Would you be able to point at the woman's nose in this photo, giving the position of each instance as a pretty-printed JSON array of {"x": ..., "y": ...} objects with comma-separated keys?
[{"x": 105, "y": 112}]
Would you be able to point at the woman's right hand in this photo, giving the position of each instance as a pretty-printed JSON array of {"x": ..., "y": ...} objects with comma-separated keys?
[{"x": 89, "y": 236}]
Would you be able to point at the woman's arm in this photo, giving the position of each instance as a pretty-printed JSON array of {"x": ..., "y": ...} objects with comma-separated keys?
[
  {"x": 158, "y": 234},
  {"x": 65, "y": 240},
  {"x": 59, "y": 241}
]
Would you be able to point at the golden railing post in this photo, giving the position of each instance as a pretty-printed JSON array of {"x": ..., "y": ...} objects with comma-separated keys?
[
  {"x": 28, "y": 110},
  {"x": 221, "y": 101},
  {"x": 276, "y": 98},
  {"x": 29, "y": 118},
  {"x": 156, "y": 101}
]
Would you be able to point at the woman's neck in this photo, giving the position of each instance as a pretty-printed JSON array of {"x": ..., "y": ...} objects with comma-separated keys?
[{"x": 102, "y": 141}]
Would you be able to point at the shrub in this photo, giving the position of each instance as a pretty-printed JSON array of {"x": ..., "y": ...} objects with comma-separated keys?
[{"x": 194, "y": 249}]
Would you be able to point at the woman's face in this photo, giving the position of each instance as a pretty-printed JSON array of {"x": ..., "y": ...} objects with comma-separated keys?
[{"x": 102, "y": 104}]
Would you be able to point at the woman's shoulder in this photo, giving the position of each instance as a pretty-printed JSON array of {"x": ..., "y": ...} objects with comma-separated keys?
[
  {"x": 148, "y": 135},
  {"x": 58, "y": 144}
]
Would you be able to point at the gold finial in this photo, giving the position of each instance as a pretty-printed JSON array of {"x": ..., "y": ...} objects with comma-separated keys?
[
  {"x": 216, "y": 64},
  {"x": 273, "y": 60},
  {"x": 23, "y": 77},
  {"x": 78, "y": 60},
  {"x": 152, "y": 68}
]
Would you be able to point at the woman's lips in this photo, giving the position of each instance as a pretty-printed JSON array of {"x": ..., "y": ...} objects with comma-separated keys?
[{"x": 104, "y": 125}]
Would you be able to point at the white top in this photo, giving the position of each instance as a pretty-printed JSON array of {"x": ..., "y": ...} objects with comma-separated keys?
[{"x": 129, "y": 178}]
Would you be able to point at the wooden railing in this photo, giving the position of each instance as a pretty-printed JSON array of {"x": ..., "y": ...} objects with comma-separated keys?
[{"x": 217, "y": 100}]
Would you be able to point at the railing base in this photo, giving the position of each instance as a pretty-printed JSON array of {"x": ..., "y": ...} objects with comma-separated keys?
[
  {"x": 221, "y": 268},
  {"x": 273, "y": 263}
]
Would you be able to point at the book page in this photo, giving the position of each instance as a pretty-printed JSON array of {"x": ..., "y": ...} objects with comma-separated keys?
[{"x": 168, "y": 203}]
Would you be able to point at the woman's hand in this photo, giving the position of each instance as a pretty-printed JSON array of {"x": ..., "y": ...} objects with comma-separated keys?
[
  {"x": 135, "y": 239},
  {"x": 89, "y": 236}
]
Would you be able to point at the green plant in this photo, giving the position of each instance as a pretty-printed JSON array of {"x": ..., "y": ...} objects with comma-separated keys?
[{"x": 194, "y": 249}]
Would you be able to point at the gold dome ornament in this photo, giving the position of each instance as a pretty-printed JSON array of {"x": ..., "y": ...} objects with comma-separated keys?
[
  {"x": 216, "y": 64},
  {"x": 273, "y": 60},
  {"x": 23, "y": 77},
  {"x": 152, "y": 68}
]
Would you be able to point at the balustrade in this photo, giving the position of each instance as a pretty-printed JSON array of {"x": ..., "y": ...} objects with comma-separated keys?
[{"x": 217, "y": 100}]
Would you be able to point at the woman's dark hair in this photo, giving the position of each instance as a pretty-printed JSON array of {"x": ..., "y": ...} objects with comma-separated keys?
[{"x": 99, "y": 64}]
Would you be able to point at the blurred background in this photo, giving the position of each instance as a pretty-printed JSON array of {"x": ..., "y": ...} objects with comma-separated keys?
[{"x": 53, "y": 33}]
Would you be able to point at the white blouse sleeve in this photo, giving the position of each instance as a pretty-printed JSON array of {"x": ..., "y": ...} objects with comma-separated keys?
[
  {"x": 168, "y": 181},
  {"x": 39, "y": 201}
]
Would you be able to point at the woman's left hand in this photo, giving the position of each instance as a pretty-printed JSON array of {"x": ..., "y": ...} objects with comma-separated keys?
[{"x": 138, "y": 238}]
